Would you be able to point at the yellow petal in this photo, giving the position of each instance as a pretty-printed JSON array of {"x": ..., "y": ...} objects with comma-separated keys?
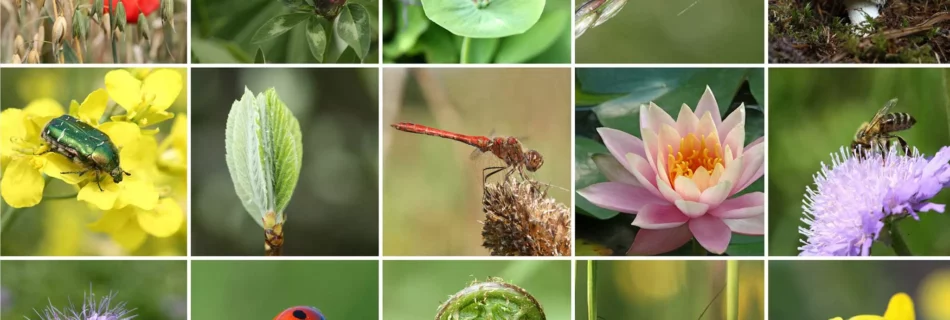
[
  {"x": 901, "y": 307},
  {"x": 154, "y": 118},
  {"x": 93, "y": 107},
  {"x": 121, "y": 133},
  {"x": 55, "y": 164},
  {"x": 12, "y": 125},
  {"x": 139, "y": 155},
  {"x": 866, "y": 317},
  {"x": 105, "y": 199},
  {"x": 165, "y": 85},
  {"x": 112, "y": 220},
  {"x": 934, "y": 293},
  {"x": 44, "y": 108},
  {"x": 164, "y": 221},
  {"x": 22, "y": 185},
  {"x": 124, "y": 89},
  {"x": 130, "y": 236},
  {"x": 138, "y": 193}
]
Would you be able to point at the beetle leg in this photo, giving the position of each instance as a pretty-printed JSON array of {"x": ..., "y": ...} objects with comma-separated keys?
[
  {"x": 97, "y": 181},
  {"x": 80, "y": 173}
]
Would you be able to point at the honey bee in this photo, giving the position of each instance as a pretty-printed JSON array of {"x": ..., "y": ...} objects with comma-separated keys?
[{"x": 878, "y": 134}]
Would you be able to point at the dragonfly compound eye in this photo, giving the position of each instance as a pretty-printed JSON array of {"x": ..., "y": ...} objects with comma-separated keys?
[{"x": 533, "y": 160}]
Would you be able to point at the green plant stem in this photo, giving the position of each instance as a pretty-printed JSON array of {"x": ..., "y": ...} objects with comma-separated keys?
[
  {"x": 897, "y": 240},
  {"x": 732, "y": 290},
  {"x": 466, "y": 44},
  {"x": 591, "y": 290}
]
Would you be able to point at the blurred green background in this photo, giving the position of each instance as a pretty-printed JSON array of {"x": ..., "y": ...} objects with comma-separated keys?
[
  {"x": 222, "y": 31},
  {"x": 611, "y": 97},
  {"x": 723, "y": 31},
  {"x": 156, "y": 289},
  {"x": 432, "y": 199},
  {"x": 672, "y": 289},
  {"x": 59, "y": 228},
  {"x": 801, "y": 290},
  {"x": 817, "y": 111},
  {"x": 334, "y": 208},
  {"x": 415, "y": 289},
  {"x": 410, "y": 37},
  {"x": 254, "y": 290}
]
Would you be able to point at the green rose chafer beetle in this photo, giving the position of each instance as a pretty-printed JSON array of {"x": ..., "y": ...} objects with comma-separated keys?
[{"x": 84, "y": 145}]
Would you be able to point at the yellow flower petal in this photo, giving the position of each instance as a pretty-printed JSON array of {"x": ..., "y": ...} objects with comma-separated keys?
[
  {"x": 165, "y": 85},
  {"x": 121, "y": 133},
  {"x": 164, "y": 221},
  {"x": 130, "y": 236},
  {"x": 140, "y": 155},
  {"x": 105, "y": 199},
  {"x": 119, "y": 224},
  {"x": 137, "y": 193},
  {"x": 124, "y": 89},
  {"x": 901, "y": 307},
  {"x": 12, "y": 125},
  {"x": 55, "y": 164},
  {"x": 866, "y": 317},
  {"x": 93, "y": 107},
  {"x": 154, "y": 118},
  {"x": 44, "y": 108},
  {"x": 935, "y": 292},
  {"x": 22, "y": 184}
]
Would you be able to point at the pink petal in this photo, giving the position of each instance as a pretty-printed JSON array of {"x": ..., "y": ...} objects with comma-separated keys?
[
  {"x": 692, "y": 209},
  {"x": 651, "y": 145},
  {"x": 711, "y": 232},
  {"x": 614, "y": 171},
  {"x": 652, "y": 242},
  {"x": 755, "y": 142},
  {"x": 733, "y": 170},
  {"x": 643, "y": 173},
  {"x": 659, "y": 216},
  {"x": 618, "y": 196},
  {"x": 744, "y": 206},
  {"x": 621, "y": 143},
  {"x": 753, "y": 167},
  {"x": 754, "y": 226},
  {"x": 686, "y": 188},
  {"x": 734, "y": 139},
  {"x": 701, "y": 178},
  {"x": 652, "y": 118},
  {"x": 662, "y": 169},
  {"x": 686, "y": 121},
  {"x": 735, "y": 118},
  {"x": 707, "y": 126},
  {"x": 666, "y": 190},
  {"x": 708, "y": 104},
  {"x": 716, "y": 194},
  {"x": 716, "y": 174},
  {"x": 669, "y": 138}
]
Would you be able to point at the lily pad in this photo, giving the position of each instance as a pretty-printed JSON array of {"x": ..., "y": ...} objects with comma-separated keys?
[{"x": 496, "y": 19}]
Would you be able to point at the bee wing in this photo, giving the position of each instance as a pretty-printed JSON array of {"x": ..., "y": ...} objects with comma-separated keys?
[{"x": 880, "y": 113}]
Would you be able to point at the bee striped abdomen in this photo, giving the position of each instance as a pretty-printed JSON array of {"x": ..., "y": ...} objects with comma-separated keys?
[{"x": 897, "y": 121}]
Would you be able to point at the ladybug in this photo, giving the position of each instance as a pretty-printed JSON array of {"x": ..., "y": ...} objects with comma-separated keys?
[{"x": 301, "y": 313}]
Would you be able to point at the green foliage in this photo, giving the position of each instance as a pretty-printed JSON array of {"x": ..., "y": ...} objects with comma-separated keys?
[
  {"x": 264, "y": 153},
  {"x": 502, "y": 31},
  {"x": 341, "y": 31}
]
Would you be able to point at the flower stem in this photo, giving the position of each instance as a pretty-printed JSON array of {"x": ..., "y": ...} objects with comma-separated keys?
[
  {"x": 68, "y": 196},
  {"x": 897, "y": 240},
  {"x": 591, "y": 290},
  {"x": 466, "y": 44},
  {"x": 732, "y": 290}
]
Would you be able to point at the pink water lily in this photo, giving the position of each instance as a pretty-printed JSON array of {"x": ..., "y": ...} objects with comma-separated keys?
[{"x": 679, "y": 179}]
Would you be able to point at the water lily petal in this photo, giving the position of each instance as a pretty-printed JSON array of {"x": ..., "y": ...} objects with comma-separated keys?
[
  {"x": 643, "y": 173},
  {"x": 613, "y": 170},
  {"x": 618, "y": 196},
  {"x": 734, "y": 139},
  {"x": 755, "y": 142},
  {"x": 162, "y": 222},
  {"x": 22, "y": 185},
  {"x": 124, "y": 89},
  {"x": 652, "y": 118},
  {"x": 620, "y": 143},
  {"x": 666, "y": 190},
  {"x": 733, "y": 169},
  {"x": 753, "y": 167},
  {"x": 716, "y": 194},
  {"x": 711, "y": 232},
  {"x": 745, "y": 206},
  {"x": 659, "y": 216},
  {"x": 686, "y": 121},
  {"x": 652, "y": 242},
  {"x": 669, "y": 138},
  {"x": 754, "y": 226},
  {"x": 707, "y": 126},
  {"x": 165, "y": 85},
  {"x": 93, "y": 107},
  {"x": 104, "y": 199},
  {"x": 691, "y": 208},
  {"x": 707, "y": 103},
  {"x": 686, "y": 188},
  {"x": 701, "y": 178},
  {"x": 651, "y": 147},
  {"x": 716, "y": 174},
  {"x": 735, "y": 118}
]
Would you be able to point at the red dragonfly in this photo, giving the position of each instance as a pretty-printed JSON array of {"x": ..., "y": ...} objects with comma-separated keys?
[{"x": 508, "y": 149}]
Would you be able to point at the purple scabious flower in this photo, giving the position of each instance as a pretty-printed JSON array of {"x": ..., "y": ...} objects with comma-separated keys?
[
  {"x": 845, "y": 211},
  {"x": 91, "y": 309}
]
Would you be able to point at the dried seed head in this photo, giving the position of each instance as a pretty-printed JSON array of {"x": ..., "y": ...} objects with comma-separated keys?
[
  {"x": 520, "y": 220},
  {"x": 19, "y": 45},
  {"x": 80, "y": 25},
  {"x": 59, "y": 30},
  {"x": 39, "y": 37},
  {"x": 144, "y": 29},
  {"x": 16, "y": 4},
  {"x": 168, "y": 12},
  {"x": 16, "y": 59},
  {"x": 33, "y": 56},
  {"x": 96, "y": 12}
]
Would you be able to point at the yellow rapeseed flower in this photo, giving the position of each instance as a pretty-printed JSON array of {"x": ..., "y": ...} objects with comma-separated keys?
[
  {"x": 901, "y": 307},
  {"x": 146, "y": 100}
]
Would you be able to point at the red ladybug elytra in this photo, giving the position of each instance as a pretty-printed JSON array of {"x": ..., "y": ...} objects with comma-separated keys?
[{"x": 300, "y": 313}]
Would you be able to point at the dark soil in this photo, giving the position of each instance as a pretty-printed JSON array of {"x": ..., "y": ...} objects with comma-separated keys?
[{"x": 818, "y": 31}]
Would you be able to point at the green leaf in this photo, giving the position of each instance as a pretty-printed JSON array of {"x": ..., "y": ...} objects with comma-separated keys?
[
  {"x": 411, "y": 23},
  {"x": 352, "y": 25},
  {"x": 277, "y": 26},
  {"x": 211, "y": 52},
  {"x": 743, "y": 245},
  {"x": 259, "y": 56},
  {"x": 68, "y": 54},
  {"x": 500, "y": 18},
  {"x": 586, "y": 174},
  {"x": 264, "y": 153},
  {"x": 523, "y": 47},
  {"x": 439, "y": 46},
  {"x": 317, "y": 37},
  {"x": 757, "y": 85}
]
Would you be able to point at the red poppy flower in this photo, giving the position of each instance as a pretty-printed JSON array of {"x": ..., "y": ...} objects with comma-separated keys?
[{"x": 133, "y": 8}]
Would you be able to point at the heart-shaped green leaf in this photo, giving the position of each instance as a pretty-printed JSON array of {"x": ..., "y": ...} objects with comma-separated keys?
[
  {"x": 352, "y": 25},
  {"x": 317, "y": 37},
  {"x": 499, "y": 18},
  {"x": 278, "y": 25},
  {"x": 523, "y": 47}
]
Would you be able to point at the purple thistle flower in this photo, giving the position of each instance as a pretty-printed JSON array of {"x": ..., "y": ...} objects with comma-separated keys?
[
  {"x": 846, "y": 209},
  {"x": 91, "y": 309}
]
